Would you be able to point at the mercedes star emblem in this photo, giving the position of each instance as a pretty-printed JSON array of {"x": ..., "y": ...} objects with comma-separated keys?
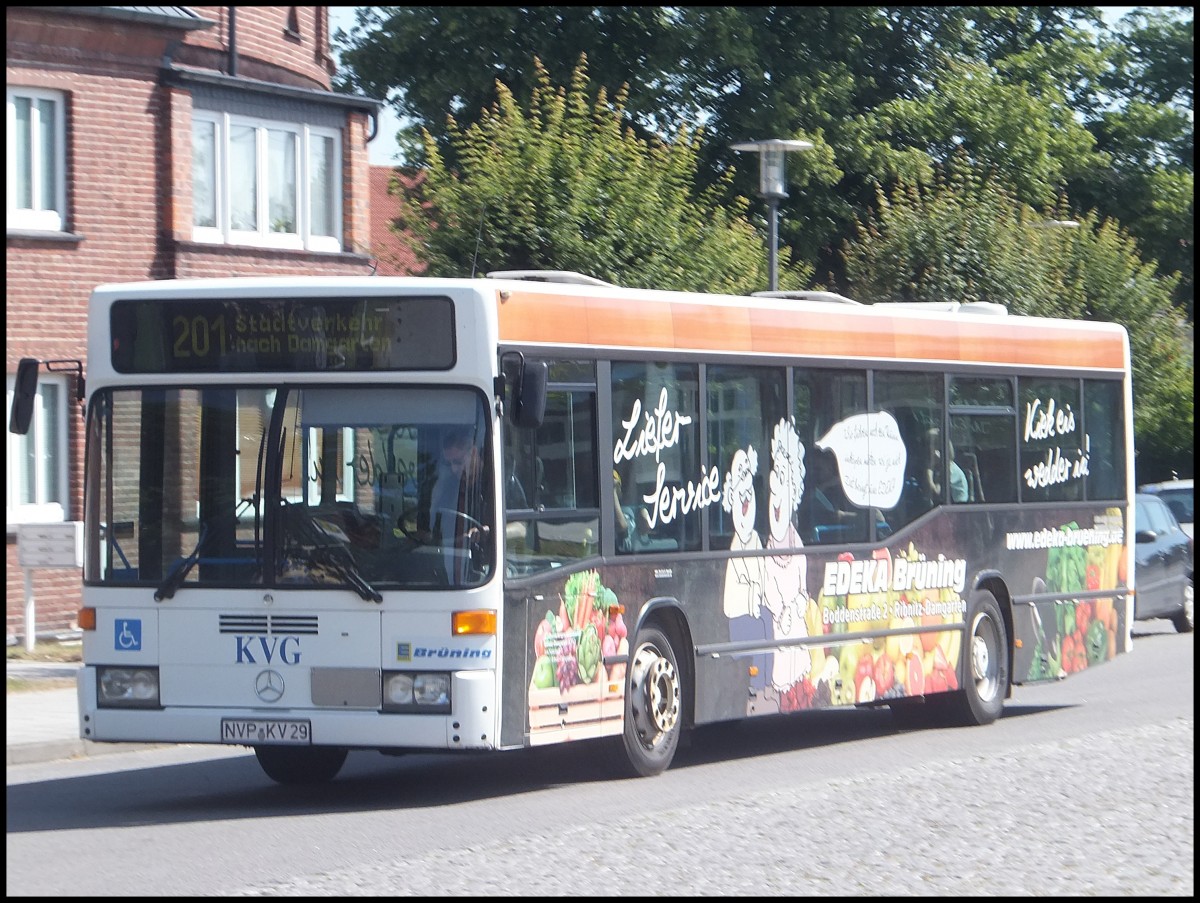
[{"x": 269, "y": 686}]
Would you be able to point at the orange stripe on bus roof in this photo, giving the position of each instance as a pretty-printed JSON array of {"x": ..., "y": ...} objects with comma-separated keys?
[{"x": 687, "y": 324}]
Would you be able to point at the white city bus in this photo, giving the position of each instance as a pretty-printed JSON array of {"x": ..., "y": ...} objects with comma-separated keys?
[{"x": 400, "y": 514}]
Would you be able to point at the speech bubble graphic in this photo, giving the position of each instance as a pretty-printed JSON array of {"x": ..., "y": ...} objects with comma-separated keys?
[{"x": 871, "y": 457}]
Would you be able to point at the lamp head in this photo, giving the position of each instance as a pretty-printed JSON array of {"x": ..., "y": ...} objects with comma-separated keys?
[{"x": 772, "y": 168}]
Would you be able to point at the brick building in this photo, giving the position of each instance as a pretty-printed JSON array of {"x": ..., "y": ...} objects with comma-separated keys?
[
  {"x": 158, "y": 142},
  {"x": 393, "y": 257}
]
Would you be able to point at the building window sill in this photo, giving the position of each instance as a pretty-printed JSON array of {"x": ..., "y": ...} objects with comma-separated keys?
[{"x": 44, "y": 235}]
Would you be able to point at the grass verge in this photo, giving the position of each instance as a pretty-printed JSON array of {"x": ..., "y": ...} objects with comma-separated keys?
[
  {"x": 45, "y": 651},
  {"x": 23, "y": 685}
]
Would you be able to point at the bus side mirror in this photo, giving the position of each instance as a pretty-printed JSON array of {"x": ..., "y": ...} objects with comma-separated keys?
[
  {"x": 24, "y": 395},
  {"x": 529, "y": 395}
]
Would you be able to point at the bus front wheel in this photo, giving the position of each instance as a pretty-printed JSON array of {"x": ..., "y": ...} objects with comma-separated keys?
[
  {"x": 307, "y": 765},
  {"x": 653, "y": 704}
]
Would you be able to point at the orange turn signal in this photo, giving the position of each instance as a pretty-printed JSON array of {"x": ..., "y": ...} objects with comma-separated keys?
[
  {"x": 464, "y": 622},
  {"x": 87, "y": 619}
]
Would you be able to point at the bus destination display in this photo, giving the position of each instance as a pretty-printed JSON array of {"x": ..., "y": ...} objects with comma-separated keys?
[{"x": 283, "y": 335}]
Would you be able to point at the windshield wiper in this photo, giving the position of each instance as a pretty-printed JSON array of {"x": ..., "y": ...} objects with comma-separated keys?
[
  {"x": 328, "y": 552},
  {"x": 180, "y": 571},
  {"x": 342, "y": 563}
]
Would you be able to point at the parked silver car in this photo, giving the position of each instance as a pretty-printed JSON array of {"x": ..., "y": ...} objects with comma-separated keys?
[{"x": 1163, "y": 563}]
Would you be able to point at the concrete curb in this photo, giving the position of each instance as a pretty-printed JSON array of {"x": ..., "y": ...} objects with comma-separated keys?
[
  {"x": 54, "y": 750},
  {"x": 42, "y": 721}
]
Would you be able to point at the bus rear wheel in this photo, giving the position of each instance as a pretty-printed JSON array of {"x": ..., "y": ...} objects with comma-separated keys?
[
  {"x": 985, "y": 672},
  {"x": 653, "y": 704},
  {"x": 985, "y": 676},
  {"x": 307, "y": 765}
]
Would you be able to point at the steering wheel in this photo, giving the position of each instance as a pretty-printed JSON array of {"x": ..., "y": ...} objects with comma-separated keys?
[
  {"x": 407, "y": 524},
  {"x": 472, "y": 523}
]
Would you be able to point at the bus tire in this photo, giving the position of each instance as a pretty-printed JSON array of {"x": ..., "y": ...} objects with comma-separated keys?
[
  {"x": 985, "y": 671},
  {"x": 653, "y": 704},
  {"x": 307, "y": 765}
]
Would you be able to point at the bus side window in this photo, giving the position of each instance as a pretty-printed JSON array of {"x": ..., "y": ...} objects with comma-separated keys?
[
  {"x": 826, "y": 515},
  {"x": 1105, "y": 427},
  {"x": 646, "y": 395},
  {"x": 984, "y": 448},
  {"x": 551, "y": 476},
  {"x": 563, "y": 470},
  {"x": 822, "y": 399},
  {"x": 922, "y": 471}
]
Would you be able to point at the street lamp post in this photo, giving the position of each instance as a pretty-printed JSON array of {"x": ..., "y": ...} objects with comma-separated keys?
[{"x": 773, "y": 187}]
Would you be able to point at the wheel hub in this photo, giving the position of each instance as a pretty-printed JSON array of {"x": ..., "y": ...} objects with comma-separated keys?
[
  {"x": 979, "y": 658},
  {"x": 985, "y": 646},
  {"x": 655, "y": 689}
]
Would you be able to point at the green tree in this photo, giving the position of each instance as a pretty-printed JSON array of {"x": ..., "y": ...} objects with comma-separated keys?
[
  {"x": 891, "y": 90},
  {"x": 1043, "y": 94},
  {"x": 966, "y": 237},
  {"x": 566, "y": 184},
  {"x": 1146, "y": 133},
  {"x": 435, "y": 60}
]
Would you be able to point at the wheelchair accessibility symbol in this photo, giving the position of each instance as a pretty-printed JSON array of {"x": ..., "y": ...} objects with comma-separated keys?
[{"x": 127, "y": 635}]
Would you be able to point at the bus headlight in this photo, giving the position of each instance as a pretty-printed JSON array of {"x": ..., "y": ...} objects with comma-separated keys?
[
  {"x": 432, "y": 689},
  {"x": 397, "y": 689},
  {"x": 129, "y": 688},
  {"x": 416, "y": 692}
]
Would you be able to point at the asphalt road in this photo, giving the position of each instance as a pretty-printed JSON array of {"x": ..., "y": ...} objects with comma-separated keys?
[{"x": 1083, "y": 788}]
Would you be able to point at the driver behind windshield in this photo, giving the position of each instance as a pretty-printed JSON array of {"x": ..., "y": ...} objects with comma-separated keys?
[{"x": 457, "y": 501}]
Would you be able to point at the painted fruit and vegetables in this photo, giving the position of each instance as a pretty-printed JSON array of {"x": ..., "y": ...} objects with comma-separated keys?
[
  {"x": 900, "y": 664},
  {"x": 570, "y": 644},
  {"x": 1085, "y": 630}
]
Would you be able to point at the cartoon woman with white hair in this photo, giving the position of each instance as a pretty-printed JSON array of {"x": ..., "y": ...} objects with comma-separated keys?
[
  {"x": 786, "y": 578},
  {"x": 744, "y": 574}
]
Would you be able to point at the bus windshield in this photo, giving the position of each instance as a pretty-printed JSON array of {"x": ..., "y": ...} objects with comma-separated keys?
[{"x": 367, "y": 488}]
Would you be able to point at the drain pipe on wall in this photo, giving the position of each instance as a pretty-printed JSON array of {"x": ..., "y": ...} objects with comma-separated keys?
[{"x": 232, "y": 41}]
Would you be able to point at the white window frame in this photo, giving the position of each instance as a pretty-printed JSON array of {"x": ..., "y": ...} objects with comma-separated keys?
[
  {"x": 304, "y": 136},
  {"x": 41, "y": 510},
  {"x": 312, "y": 483},
  {"x": 37, "y": 217}
]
